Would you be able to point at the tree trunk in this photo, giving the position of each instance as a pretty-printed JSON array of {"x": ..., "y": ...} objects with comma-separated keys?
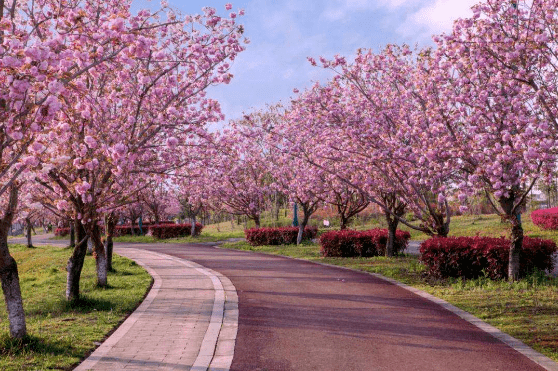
[
  {"x": 256, "y": 219},
  {"x": 110, "y": 224},
  {"x": 193, "y": 228},
  {"x": 516, "y": 245},
  {"x": 303, "y": 224},
  {"x": 390, "y": 243},
  {"x": 443, "y": 230},
  {"x": 511, "y": 211},
  {"x": 75, "y": 263},
  {"x": 100, "y": 256},
  {"x": 9, "y": 274},
  {"x": 343, "y": 222},
  {"x": 301, "y": 227},
  {"x": 72, "y": 234},
  {"x": 29, "y": 228},
  {"x": 132, "y": 223}
]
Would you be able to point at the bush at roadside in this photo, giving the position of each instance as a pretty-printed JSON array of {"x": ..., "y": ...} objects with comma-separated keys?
[
  {"x": 472, "y": 257},
  {"x": 62, "y": 232},
  {"x": 546, "y": 218},
  {"x": 277, "y": 236},
  {"x": 350, "y": 243},
  {"x": 163, "y": 231}
]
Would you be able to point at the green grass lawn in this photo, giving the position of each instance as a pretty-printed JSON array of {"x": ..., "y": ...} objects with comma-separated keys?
[
  {"x": 527, "y": 310},
  {"x": 60, "y": 333}
]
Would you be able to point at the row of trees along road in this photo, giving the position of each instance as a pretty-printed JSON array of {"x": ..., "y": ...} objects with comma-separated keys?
[
  {"x": 97, "y": 103},
  {"x": 411, "y": 130}
]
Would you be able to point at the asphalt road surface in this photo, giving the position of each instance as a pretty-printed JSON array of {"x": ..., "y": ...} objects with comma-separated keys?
[{"x": 298, "y": 315}]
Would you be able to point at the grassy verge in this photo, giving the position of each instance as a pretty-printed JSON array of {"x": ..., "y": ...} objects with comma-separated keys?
[
  {"x": 527, "y": 310},
  {"x": 60, "y": 238},
  {"x": 60, "y": 333}
]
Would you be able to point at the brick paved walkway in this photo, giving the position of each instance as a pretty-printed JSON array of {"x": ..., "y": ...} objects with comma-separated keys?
[{"x": 188, "y": 321}]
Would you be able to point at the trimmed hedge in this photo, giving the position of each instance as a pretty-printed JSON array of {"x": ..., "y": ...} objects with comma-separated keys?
[
  {"x": 350, "y": 243},
  {"x": 163, "y": 231},
  {"x": 546, "y": 218},
  {"x": 472, "y": 257},
  {"x": 278, "y": 236},
  {"x": 62, "y": 232}
]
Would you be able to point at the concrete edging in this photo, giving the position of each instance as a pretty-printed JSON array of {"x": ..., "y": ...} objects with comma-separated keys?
[{"x": 217, "y": 349}]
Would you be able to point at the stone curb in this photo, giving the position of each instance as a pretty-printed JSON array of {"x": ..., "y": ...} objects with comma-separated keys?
[
  {"x": 540, "y": 359},
  {"x": 217, "y": 349}
]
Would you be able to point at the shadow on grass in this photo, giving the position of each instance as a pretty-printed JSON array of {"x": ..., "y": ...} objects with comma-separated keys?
[
  {"x": 33, "y": 345},
  {"x": 84, "y": 304},
  {"x": 87, "y": 304}
]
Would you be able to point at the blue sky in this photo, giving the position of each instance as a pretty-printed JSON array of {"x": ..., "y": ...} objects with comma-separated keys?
[{"x": 283, "y": 33}]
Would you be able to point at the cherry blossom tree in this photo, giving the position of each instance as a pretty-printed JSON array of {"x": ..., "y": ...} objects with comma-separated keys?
[
  {"x": 140, "y": 111},
  {"x": 46, "y": 46},
  {"x": 291, "y": 175},
  {"x": 239, "y": 175},
  {"x": 500, "y": 73}
]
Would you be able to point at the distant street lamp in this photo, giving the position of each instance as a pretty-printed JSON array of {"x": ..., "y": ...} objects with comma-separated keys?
[{"x": 295, "y": 215}]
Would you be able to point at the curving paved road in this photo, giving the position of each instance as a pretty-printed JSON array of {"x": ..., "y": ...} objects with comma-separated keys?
[{"x": 297, "y": 315}]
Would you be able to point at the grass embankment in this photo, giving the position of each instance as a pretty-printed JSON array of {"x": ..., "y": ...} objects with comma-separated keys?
[
  {"x": 527, "y": 310},
  {"x": 60, "y": 333}
]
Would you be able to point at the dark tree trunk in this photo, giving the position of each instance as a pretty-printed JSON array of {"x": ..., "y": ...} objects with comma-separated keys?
[
  {"x": 302, "y": 225},
  {"x": 29, "y": 227},
  {"x": 343, "y": 222},
  {"x": 72, "y": 234},
  {"x": 511, "y": 211},
  {"x": 132, "y": 224},
  {"x": 308, "y": 208},
  {"x": 110, "y": 224},
  {"x": 256, "y": 219},
  {"x": 390, "y": 244},
  {"x": 100, "y": 256},
  {"x": 75, "y": 263},
  {"x": 9, "y": 274},
  {"x": 395, "y": 209},
  {"x": 516, "y": 246},
  {"x": 193, "y": 228}
]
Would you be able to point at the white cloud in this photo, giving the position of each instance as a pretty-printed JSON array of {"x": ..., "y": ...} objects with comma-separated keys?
[
  {"x": 436, "y": 18},
  {"x": 343, "y": 9}
]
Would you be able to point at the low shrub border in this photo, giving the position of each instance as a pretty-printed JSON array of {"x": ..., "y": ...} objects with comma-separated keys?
[
  {"x": 164, "y": 231},
  {"x": 350, "y": 243},
  {"x": 546, "y": 218},
  {"x": 472, "y": 257},
  {"x": 62, "y": 232},
  {"x": 161, "y": 231},
  {"x": 277, "y": 236}
]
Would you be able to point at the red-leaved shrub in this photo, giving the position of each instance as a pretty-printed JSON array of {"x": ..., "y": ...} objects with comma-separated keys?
[
  {"x": 546, "y": 218},
  {"x": 163, "y": 231},
  {"x": 62, "y": 232},
  {"x": 277, "y": 236},
  {"x": 351, "y": 243},
  {"x": 471, "y": 257}
]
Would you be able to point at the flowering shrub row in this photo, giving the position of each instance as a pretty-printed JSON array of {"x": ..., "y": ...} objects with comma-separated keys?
[
  {"x": 62, "y": 232},
  {"x": 545, "y": 218},
  {"x": 157, "y": 230},
  {"x": 163, "y": 231},
  {"x": 277, "y": 236},
  {"x": 471, "y": 257},
  {"x": 351, "y": 243}
]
